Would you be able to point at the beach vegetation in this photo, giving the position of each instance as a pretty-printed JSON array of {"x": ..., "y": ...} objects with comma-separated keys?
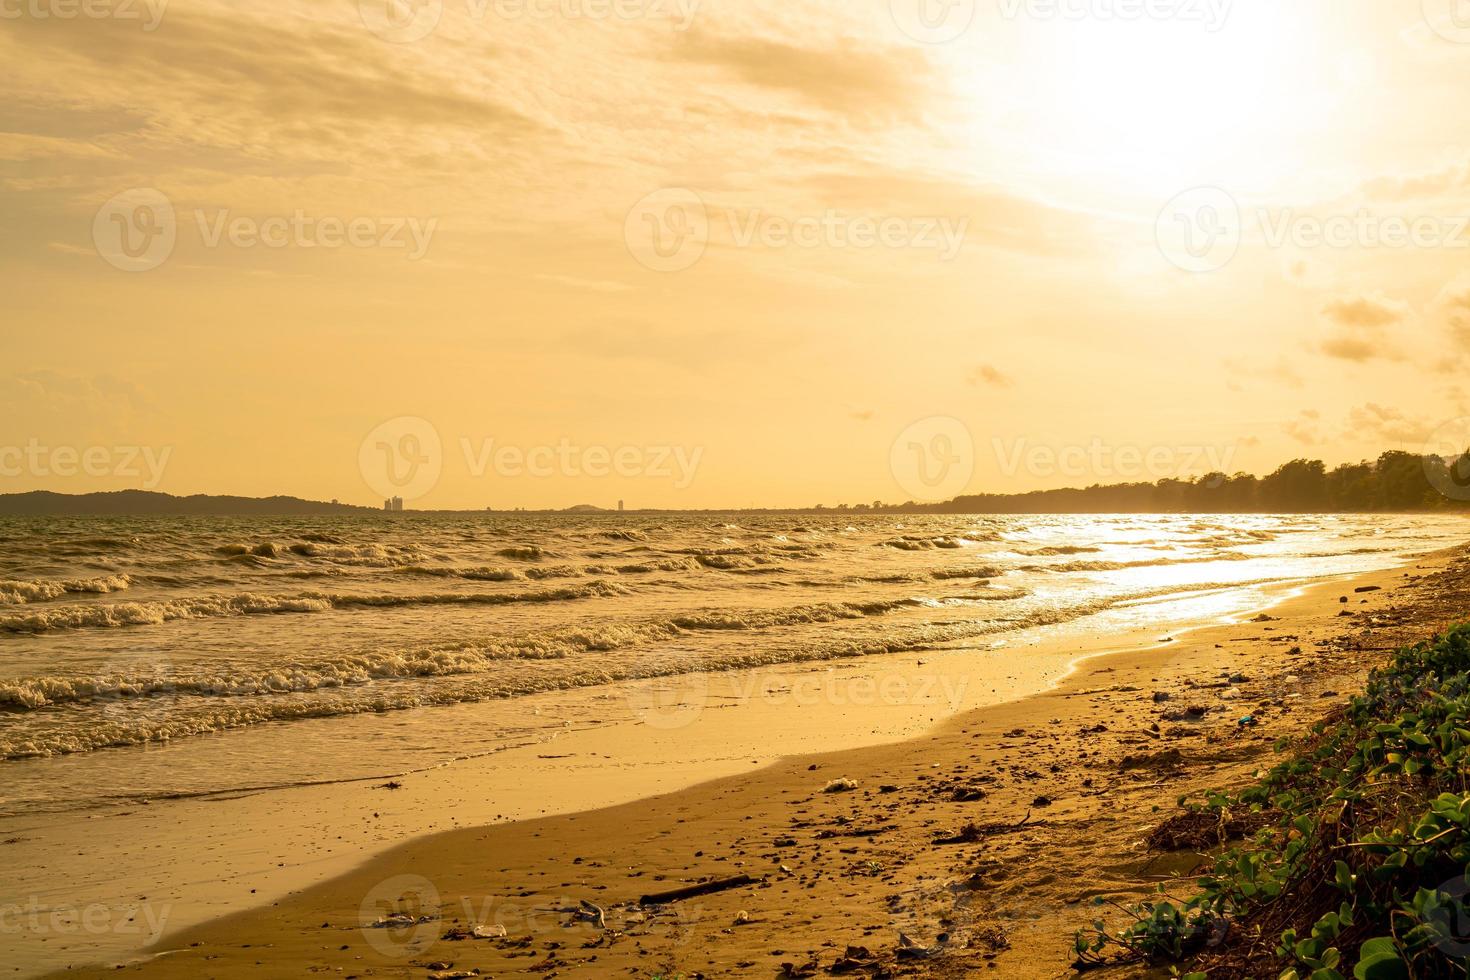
[{"x": 1361, "y": 867}]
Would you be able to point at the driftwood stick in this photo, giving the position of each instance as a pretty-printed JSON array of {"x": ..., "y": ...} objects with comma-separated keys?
[{"x": 694, "y": 891}]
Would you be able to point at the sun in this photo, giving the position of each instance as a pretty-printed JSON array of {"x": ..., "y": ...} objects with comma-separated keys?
[{"x": 1137, "y": 105}]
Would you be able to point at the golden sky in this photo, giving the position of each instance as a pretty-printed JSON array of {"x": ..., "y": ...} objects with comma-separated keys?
[{"x": 869, "y": 217}]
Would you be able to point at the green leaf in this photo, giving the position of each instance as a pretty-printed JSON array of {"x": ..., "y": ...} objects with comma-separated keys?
[{"x": 1378, "y": 959}]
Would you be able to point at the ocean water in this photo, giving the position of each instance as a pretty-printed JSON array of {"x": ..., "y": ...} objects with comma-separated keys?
[{"x": 158, "y": 657}]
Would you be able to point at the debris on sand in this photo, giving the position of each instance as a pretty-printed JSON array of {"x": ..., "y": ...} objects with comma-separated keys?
[
  {"x": 694, "y": 891},
  {"x": 457, "y": 934},
  {"x": 587, "y": 911},
  {"x": 804, "y": 970},
  {"x": 971, "y": 833},
  {"x": 1167, "y": 759},
  {"x": 400, "y": 920},
  {"x": 910, "y": 950},
  {"x": 843, "y": 785},
  {"x": 1199, "y": 831},
  {"x": 853, "y": 958}
]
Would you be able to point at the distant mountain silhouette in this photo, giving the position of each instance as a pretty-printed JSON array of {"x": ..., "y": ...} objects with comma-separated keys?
[
  {"x": 1395, "y": 482},
  {"x": 135, "y": 503}
]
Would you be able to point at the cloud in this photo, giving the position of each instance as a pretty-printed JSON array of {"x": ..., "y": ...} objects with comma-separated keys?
[
  {"x": 51, "y": 405},
  {"x": 1358, "y": 327},
  {"x": 1378, "y": 423},
  {"x": 986, "y": 374},
  {"x": 1417, "y": 187},
  {"x": 595, "y": 285},
  {"x": 1305, "y": 428},
  {"x": 1452, "y": 308},
  {"x": 1280, "y": 371},
  {"x": 860, "y": 83},
  {"x": 989, "y": 214},
  {"x": 1365, "y": 311},
  {"x": 276, "y": 87}
]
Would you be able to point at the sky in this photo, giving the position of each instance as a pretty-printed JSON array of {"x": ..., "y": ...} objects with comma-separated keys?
[{"x": 706, "y": 253}]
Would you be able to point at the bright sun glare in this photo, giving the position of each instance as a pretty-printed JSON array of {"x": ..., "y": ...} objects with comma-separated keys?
[{"x": 1127, "y": 106}]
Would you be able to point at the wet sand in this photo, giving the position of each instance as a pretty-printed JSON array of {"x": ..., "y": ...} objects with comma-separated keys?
[{"x": 1043, "y": 803}]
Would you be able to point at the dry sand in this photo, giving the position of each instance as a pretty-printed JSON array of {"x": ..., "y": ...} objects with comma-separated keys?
[{"x": 1058, "y": 792}]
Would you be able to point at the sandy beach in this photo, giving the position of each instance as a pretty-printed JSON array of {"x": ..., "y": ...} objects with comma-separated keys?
[
  {"x": 980, "y": 842},
  {"x": 665, "y": 489}
]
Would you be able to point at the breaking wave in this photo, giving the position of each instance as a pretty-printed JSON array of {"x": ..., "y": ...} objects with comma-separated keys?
[
  {"x": 18, "y": 592},
  {"x": 250, "y": 604}
]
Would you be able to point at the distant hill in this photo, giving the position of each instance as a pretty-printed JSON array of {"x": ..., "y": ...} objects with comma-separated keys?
[{"x": 139, "y": 503}]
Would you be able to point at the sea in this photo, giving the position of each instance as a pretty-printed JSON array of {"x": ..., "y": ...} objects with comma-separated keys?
[{"x": 155, "y": 658}]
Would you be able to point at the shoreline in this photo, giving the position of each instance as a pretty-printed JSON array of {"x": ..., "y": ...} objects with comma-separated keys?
[
  {"x": 739, "y": 803},
  {"x": 254, "y": 847}
]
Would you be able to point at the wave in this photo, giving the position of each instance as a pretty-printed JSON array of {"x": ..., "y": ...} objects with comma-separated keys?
[
  {"x": 528, "y": 552},
  {"x": 1115, "y": 566},
  {"x": 438, "y": 660},
  {"x": 164, "y": 706},
  {"x": 124, "y": 614},
  {"x": 912, "y": 543},
  {"x": 483, "y": 573},
  {"x": 21, "y": 591},
  {"x": 266, "y": 549},
  {"x": 978, "y": 571}
]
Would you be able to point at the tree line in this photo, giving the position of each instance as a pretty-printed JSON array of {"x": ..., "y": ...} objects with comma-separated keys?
[{"x": 1396, "y": 481}]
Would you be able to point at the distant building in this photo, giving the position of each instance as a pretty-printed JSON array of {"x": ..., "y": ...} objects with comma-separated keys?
[
  {"x": 393, "y": 504},
  {"x": 620, "y": 505}
]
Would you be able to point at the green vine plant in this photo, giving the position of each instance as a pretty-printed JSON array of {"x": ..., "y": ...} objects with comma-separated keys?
[{"x": 1361, "y": 865}]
